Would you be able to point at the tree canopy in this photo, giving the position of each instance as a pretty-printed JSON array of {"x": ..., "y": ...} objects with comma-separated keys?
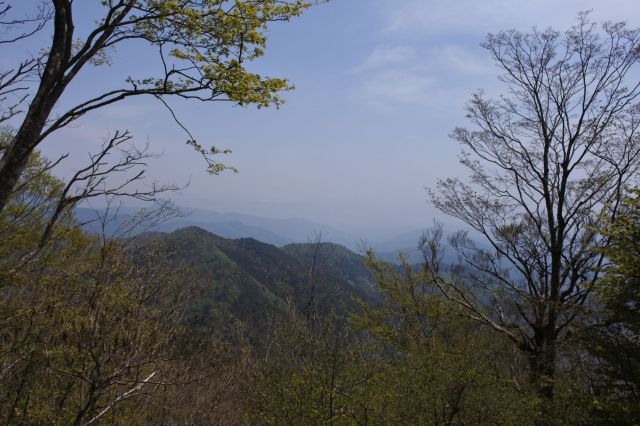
[{"x": 203, "y": 48}]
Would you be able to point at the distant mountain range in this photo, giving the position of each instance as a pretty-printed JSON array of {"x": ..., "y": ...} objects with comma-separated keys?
[
  {"x": 253, "y": 269},
  {"x": 278, "y": 232}
]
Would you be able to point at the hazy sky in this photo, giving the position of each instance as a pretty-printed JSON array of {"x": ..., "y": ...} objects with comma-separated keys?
[{"x": 379, "y": 86}]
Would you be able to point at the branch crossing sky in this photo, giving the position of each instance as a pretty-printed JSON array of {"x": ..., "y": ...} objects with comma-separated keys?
[{"x": 379, "y": 86}]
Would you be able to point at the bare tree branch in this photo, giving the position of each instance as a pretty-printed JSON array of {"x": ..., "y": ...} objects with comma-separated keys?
[{"x": 544, "y": 162}]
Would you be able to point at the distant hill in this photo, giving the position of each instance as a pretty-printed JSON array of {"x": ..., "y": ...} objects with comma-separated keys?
[
  {"x": 230, "y": 229},
  {"x": 253, "y": 281},
  {"x": 293, "y": 230},
  {"x": 232, "y": 225},
  {"x": 278, "y": 232}
]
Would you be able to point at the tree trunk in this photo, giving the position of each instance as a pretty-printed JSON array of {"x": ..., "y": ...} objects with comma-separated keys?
[
  {"x": 51, "y": 87},
  {"x": 542, "y": 365}
]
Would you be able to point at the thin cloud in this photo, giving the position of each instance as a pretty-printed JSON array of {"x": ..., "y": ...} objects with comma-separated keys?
[
  {"x": 405, "y": 76},
  {"x": 478, "y": 17},
  {"x": 398, "y": 86},
  {"x": 388, "y": 55}
]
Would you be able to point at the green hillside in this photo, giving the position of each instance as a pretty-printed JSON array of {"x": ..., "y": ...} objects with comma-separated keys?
[
  {"x": 335, "y": 261},
  {"x": 252, "y": 281}
]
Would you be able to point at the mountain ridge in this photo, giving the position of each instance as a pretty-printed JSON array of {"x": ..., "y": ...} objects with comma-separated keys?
[
  {"x": 278, "y": 232},
  {"x": 251, "y": 281}
]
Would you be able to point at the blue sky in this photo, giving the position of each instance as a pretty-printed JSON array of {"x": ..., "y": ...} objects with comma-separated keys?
[{"x": 379, "y": 86}]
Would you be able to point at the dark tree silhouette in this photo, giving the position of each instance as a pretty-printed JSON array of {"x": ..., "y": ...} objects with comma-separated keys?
[{"x": 544, "y": 160}]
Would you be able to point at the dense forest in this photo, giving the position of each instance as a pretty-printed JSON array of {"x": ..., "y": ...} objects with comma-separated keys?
[{"x": 105, "y": 320}]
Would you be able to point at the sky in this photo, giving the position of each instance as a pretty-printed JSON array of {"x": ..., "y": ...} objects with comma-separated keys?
[{"x": 380, "y": 84}]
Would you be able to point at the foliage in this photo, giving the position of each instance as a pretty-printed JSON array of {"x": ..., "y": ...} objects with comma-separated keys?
[
  {"x": 614, "y": 340},
  {"x": 192, "y": 328},
  {"x": 86, "y": 328},
  {"x": 203, "y": 49},
  {"x": 304, "y": 375},
  {"x": 436, "y": 366},
  {"x": 409, "y": 358}
]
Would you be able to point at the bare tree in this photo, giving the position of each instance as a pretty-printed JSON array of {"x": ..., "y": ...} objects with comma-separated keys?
[
  {"x": 543, "y": 160},
  {"x": 116, "y": 172},
  {"x": 202, "y": 47}
]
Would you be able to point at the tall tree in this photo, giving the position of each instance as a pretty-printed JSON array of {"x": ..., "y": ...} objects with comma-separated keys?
[
  {"x": 202, "y": 45},
  {"x": 543, "y": 161}
]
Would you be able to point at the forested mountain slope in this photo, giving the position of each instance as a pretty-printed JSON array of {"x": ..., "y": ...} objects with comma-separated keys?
[
  {"x": 253, "y": 281},
  {"x": 335, "y": 262}
]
